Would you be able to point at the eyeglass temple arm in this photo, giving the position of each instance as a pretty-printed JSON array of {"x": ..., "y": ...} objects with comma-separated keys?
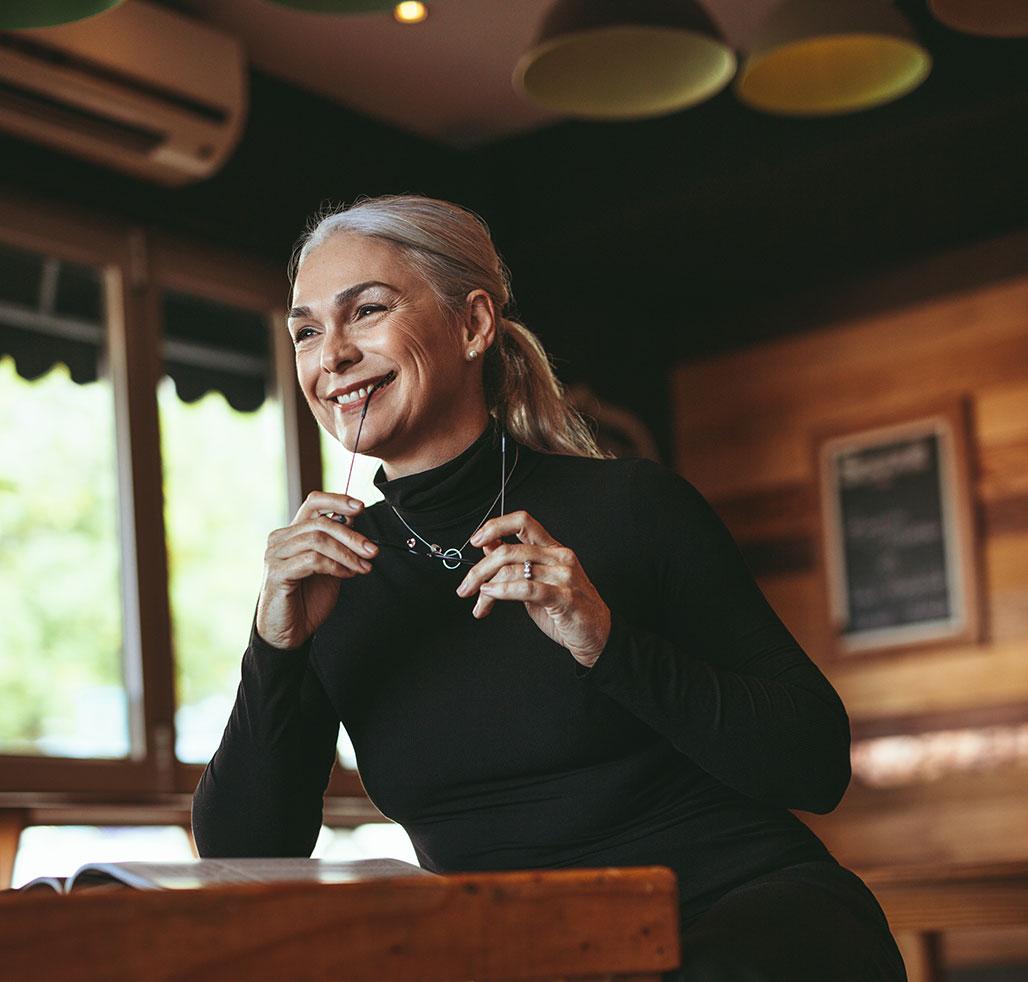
[{"x": 413, "y": 552}]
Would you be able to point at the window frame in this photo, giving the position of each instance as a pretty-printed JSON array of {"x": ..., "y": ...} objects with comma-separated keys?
[{"x": 137, "y": 264}]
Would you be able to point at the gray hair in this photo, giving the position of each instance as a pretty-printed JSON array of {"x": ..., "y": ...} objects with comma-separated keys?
[{"x": 452, "y": 249}]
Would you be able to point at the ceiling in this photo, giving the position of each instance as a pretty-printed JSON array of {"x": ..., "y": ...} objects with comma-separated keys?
[
  {"x": 632, "y": 244},
  {"x": 447, "y": 79}
]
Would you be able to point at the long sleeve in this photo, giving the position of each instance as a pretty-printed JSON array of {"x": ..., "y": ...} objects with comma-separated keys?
[
  {"x": 262, "y": 792},
  {"x": 723, "y": 680}
]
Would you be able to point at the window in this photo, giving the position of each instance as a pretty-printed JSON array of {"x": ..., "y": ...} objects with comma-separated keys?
[
  {"x": 336, "y": 467},
  {"x": 223, "y": 460},
  {"x": 336, "y": 461},
  {"x": 59, "y": 850},
  {"x": 373, "y": 841},
  {"x": 62, "y": 684},
  {"x": 153, "y": 436}
]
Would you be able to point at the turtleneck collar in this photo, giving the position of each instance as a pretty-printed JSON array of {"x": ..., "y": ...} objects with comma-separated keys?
[{"x": 463, "y": 487}]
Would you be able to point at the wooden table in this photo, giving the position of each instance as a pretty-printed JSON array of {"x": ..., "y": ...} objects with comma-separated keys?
[
  {"x": 923, "y": 902},
  {"x": 566, "y": 924}
]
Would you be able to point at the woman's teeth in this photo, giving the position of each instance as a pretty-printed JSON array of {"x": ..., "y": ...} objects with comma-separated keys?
[{"x": 358, "y": 394}]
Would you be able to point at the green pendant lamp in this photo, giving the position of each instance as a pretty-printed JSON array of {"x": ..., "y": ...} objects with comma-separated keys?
[
  {"x": 819, "y": 58},
  {"x": 339, "y": 6},
  {"x": 624, "y": 59},
  {"x": 986, "y": 18},
  {"x": 20, "y": 14}
]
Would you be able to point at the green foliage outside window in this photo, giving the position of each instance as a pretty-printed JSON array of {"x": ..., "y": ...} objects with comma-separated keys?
[
  {"x": 61, "y": 686},
  {"x": 224, "y": 492},
  {"x": 61, "y": 679}
]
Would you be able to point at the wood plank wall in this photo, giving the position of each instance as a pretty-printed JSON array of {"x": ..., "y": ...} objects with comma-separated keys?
[{"x": 743, "y": 425}]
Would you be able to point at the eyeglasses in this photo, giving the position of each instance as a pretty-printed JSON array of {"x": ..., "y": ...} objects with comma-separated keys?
[
  {"x": 443, "y": 556},
  {"x": 447, "y": 559}
]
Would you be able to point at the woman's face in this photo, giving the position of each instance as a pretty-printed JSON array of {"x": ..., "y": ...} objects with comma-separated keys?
[{"x": 360, "y": 311}]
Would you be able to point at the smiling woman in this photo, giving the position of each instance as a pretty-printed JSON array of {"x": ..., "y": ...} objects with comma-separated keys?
[
  {"x": 392, "y": 322},
  {"x": 592, "y": 679}
]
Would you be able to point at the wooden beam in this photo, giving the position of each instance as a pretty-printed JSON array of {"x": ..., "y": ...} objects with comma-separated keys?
[
  {"x": 12, "y": 821},
  {"x": 921, "y": 956},
  {"x": 922, "y": 903}
]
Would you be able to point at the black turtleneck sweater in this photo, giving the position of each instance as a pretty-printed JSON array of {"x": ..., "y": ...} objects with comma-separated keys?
[{"x": 700, "y": 725}]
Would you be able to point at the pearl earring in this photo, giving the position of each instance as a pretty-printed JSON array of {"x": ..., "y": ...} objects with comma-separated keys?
[{"x": 472, "y": 354}]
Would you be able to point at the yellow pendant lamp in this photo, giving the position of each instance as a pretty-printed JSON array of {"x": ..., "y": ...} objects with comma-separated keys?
[
  {"x": 624, "y": 59},
  {"x": 986, "y": 18},
  {"x": 19, "y": 14},
  {"x": 820, "y": 58}
]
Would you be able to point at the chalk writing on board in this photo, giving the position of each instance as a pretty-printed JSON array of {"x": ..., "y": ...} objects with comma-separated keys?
[
  {"x": 898, "y": 530},
  {"x": 893, "y": 534}
]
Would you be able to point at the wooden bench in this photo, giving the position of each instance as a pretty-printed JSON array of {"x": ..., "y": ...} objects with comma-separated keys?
[
  {"x": 922, "y": 903},
  {"x": 566, "y": 924}
]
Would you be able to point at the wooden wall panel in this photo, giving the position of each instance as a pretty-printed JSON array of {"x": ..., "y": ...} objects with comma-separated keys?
[
  {"x": 960, "y": 818},
  {"x": 928, "y": 680},
  {"x": 996, "y": 946},
  {"x": 756, "y": 408},
  {"x": 800, "y": 600},
  {"x": 744, "y": 424},
  {"x": 1007, "y": 587},
  {"x": 1002, "y": 412}
]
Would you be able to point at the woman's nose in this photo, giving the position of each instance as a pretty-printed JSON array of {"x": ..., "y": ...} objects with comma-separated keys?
[{"x": 338, "y": 351}]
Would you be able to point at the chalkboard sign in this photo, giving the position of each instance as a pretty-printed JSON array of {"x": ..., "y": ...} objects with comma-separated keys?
[{"x": 897, "y": 533}]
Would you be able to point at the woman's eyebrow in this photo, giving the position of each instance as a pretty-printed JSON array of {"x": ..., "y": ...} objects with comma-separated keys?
[{"x": 343, "y": 297}]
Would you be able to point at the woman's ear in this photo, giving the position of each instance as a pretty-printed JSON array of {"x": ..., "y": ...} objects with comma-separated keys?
[{"x": 479, "y": 320}]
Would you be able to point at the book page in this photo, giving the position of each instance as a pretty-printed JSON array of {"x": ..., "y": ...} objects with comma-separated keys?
[
  {"x": 44, "y": 884},
  {"x": 196, "y": 873}
]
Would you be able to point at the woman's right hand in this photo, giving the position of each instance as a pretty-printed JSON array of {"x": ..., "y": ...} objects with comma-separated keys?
[{"x": 304, "y": 566}]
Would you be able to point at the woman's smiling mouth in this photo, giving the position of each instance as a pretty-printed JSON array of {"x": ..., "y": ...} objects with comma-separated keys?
[{"x": 349, "y": 401}]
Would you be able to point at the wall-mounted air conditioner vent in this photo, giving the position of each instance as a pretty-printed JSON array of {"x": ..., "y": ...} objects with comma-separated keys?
[{"x": 138, "y": 88}]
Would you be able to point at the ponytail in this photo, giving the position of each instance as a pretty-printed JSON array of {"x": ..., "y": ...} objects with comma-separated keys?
[{"x": 523, "y": 392}]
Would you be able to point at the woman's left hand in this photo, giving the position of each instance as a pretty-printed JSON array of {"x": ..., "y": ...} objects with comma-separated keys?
[{"x": 559, "y": 597}]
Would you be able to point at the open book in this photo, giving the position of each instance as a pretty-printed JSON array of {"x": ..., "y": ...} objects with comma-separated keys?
[{"x": 197, "y": 873}]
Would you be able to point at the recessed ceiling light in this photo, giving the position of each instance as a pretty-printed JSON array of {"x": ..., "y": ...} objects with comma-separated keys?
[{"x": 410, "y": 12}]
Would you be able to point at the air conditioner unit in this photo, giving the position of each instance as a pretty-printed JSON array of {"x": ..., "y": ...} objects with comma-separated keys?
[{"x": 138, "y": 88}]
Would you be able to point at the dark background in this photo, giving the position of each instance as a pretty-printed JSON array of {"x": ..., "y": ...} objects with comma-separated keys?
[{"x": 635, "y": 245}]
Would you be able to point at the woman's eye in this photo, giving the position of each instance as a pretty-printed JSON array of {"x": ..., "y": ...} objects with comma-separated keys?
[
  {"x": 365, "y": 308},
  {"x": 300, "y": 336}
]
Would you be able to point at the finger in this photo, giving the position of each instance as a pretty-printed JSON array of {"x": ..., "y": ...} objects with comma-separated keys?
[
  {"x": 483, "y": 605},
  {"x": 483, "y": 602},
  {"x": 349, "y": 537},
  {"x": 518, "y": 523},
  {"x": 308, "y": 563},
  {"x": 320, "y": 541},
  {"x": 518, "y": 588},
  {"x": 528, "y": 591},
  {"x": 496, "y": 559},
  {"x": 286, "y": 558},
  {"x": 327, "y": 503}
]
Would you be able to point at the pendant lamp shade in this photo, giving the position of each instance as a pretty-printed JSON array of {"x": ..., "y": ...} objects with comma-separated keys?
[
  {"x": 18, "y": 14},
  {"x": 338, "y": 6},
  {"x": 814, "y": 58},
  {"x": 624, "y": 59},
  {"x": 986, "y": 18}
]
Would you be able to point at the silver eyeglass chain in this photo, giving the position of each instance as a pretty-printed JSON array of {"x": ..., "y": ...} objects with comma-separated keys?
[{"x": 453, "y": 552}]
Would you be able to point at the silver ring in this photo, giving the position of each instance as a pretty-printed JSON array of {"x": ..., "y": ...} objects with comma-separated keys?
[{"x": 527, "y": 574}]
